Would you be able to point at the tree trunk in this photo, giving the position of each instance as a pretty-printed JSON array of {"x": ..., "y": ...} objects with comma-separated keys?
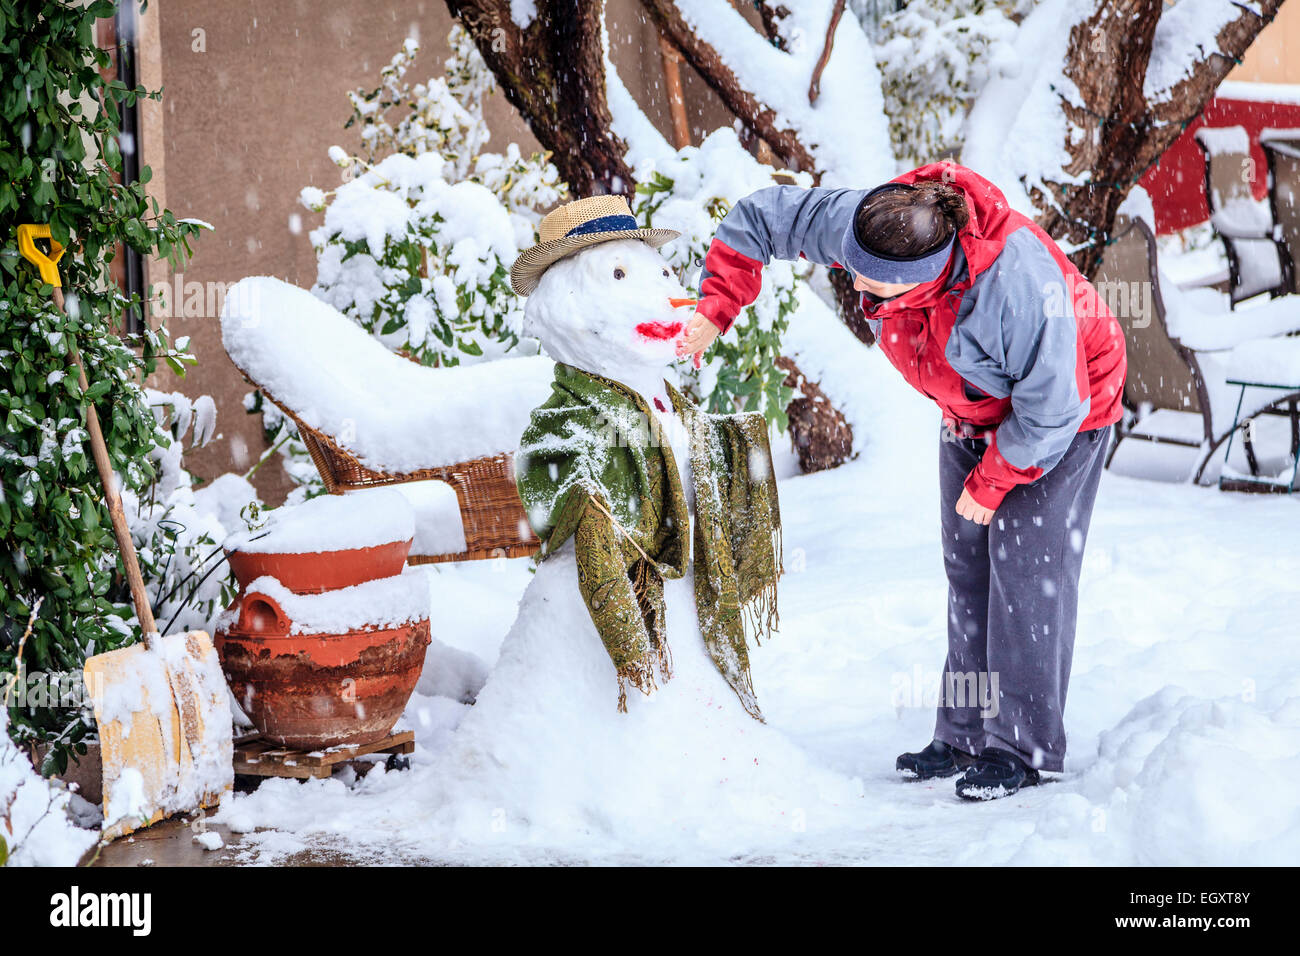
[
  {"x": 553, "y": 73},
  {"x": 821, "y": 435},
  {"x": 1116, "y": 133}
]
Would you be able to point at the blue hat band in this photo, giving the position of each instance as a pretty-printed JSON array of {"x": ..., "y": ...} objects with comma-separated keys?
[
  {"x": 923, "y": 268},
  {"x": 615, "y": 223}
]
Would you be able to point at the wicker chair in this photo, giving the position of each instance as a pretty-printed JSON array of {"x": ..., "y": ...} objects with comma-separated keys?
[
  {"x": 493, "y": 518},
  {"x": 1257, "y": 262},
  {"x": 418, "y": 421}
]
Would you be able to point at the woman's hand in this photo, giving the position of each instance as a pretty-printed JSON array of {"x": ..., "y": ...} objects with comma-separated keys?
[
  {"x": 972, "y": 510},
  {"x": 699, "y": 335}
]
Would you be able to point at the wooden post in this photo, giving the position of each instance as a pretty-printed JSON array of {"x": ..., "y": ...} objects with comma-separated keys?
[{"x": 676, "y": 98}]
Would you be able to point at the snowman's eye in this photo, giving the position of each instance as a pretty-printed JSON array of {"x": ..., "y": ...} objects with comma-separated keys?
[
  {"x": 619, "y": 273},
  {"x": 665, "y": 273}
]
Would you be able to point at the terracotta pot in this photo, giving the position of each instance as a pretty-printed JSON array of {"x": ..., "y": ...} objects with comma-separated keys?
[
  {"x": 321, "y": 570},
  {"x": 311, "y": 691}
]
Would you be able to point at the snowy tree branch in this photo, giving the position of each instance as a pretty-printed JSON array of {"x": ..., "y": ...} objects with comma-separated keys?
[
  {"x": 756, "y": 114},
  {"x": 1141, "y": 71},
  {"x": 552, "y": 71},
  {"x": 815, "y": 87}
]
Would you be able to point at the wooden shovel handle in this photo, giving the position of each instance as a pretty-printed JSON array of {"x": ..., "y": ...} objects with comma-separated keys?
[{"x": 115, "y": 510}]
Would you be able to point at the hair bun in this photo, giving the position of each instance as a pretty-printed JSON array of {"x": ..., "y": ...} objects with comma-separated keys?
[{"x": 948, "y": 200}]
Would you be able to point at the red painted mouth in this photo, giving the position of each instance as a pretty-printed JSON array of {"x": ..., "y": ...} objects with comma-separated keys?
[{"x": 659, "y": 331}]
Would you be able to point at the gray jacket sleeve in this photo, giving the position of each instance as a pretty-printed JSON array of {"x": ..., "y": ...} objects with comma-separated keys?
[
  {"x": 1024, "y": 320},
  {"x": 779, "y": 222}
]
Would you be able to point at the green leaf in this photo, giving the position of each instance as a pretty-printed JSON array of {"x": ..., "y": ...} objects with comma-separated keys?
[{"x": 97, "y": 391}]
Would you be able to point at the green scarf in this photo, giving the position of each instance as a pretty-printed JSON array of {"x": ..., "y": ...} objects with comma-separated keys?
[{"x": 593, "y": 466}]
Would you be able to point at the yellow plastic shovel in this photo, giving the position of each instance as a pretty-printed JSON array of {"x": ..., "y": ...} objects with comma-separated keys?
[{"x": 161, "y": 706}]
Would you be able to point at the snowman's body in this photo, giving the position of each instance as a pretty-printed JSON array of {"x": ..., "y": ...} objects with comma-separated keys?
[{"x": 686, "y": 768}]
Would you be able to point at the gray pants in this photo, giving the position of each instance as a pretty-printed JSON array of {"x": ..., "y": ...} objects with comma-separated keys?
[{"x": 1013, "y": 594}]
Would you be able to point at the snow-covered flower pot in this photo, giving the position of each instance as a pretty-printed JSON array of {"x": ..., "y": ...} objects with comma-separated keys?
[
  {"x": 319, "y": 670},
  {"x": 315, "y": 572},
  {"x": 335, "y": 541}
]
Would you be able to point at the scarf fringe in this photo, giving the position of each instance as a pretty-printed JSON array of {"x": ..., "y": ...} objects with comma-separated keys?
[
  {"x": 744, "y": 691},
  {"x": 643, "y": 575},
  {"x": 760, "y": 615},
  {"x": 641, "y": 675},
  {"x": 664, "y": 656},
  {"x": 760, "y": 618}
]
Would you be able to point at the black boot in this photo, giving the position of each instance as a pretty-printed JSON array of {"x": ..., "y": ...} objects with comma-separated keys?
[
  {"x": 996, "y": 773},
  {"x": 936, "y": 760}
]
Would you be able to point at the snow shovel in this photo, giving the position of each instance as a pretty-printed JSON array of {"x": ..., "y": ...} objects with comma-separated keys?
[{"x": 161, "y": 706}]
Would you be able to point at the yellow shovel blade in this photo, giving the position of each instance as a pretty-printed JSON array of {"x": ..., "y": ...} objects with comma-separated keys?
[{"x": 164, "y": 730}]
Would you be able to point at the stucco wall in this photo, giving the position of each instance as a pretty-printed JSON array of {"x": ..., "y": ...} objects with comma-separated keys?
[{"x": 1274, "y": 57}]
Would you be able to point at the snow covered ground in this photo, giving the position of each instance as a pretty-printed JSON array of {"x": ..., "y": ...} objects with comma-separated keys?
[{"x": 1183, "y": 713}]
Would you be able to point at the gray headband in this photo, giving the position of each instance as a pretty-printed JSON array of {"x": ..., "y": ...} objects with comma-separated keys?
[{"x": 879, "y": 268}]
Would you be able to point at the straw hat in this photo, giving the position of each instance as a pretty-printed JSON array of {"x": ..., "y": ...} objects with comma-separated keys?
[{"x": 576, "y": 225}]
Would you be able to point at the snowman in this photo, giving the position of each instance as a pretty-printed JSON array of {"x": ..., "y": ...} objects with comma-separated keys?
[
  {"x": 644, "y": 583},
  {"x": 605, "y": 469}
]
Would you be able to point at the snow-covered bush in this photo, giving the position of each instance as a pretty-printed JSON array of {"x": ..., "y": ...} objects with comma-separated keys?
[
  {"x": 692, "y": 193},
  {"x": 420, "y": 262},
  {"x": 35, "y": 829},
  {"x": 177, "y": 528},
  {"x": 934, "y": 57},
  {"x": 177, "y": 531},
  {"x": 417, "y": 246}
]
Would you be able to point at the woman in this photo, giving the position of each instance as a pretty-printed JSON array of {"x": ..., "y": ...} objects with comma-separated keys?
[{"x": 983, "y": 313}]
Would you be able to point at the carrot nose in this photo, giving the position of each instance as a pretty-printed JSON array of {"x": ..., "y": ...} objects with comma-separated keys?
[{"x": 678, "y": 303}]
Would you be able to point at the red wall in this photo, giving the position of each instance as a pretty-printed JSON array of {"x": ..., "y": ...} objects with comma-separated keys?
[{"x": 1177, "y": 182}]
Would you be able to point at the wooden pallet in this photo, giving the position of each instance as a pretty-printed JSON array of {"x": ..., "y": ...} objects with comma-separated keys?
[{"x": 259, "y": 757}]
